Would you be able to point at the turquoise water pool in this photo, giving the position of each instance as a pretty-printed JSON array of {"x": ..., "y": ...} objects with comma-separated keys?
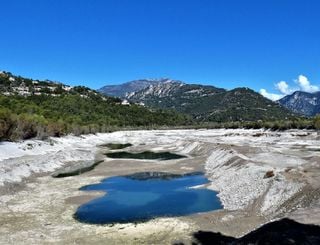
[{"x": 147, "y": 195}]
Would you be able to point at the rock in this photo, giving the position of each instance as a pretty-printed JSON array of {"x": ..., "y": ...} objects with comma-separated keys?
[{"x": 269, "y": 174}]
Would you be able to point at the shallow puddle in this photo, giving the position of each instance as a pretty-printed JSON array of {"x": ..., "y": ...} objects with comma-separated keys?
[
  {"x": 76, "y": 169},
  {"x": 143, "y": 196},
  {"x": 145, "y": 155},
  {"x": 113, "y": 146}
]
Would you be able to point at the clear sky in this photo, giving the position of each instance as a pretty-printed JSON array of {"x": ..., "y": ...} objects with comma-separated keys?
[{"x": 226, "y": 43}]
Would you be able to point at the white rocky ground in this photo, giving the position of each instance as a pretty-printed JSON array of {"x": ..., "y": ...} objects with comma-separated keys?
[{"x": 236, "y": 161}]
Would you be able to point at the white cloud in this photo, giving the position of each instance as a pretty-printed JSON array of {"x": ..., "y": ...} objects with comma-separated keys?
[
  {"x": 284, "y": 88},
  {"x": 305, "y": 85},
  {"x": 270, "y": 96}
]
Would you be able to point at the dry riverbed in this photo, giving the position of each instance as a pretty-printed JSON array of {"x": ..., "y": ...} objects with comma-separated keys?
[{"x": 260, "y": 176}]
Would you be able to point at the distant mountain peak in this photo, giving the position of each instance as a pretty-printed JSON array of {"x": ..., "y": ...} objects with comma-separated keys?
[
  {"x": 304, "y": 103},
  {"x": 161, "y": 79}
]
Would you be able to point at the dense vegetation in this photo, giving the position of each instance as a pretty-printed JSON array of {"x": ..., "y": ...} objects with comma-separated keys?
[{"x": 43, "y": 115}]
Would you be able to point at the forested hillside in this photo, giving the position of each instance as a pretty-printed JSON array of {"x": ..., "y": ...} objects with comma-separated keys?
[{"x": 31, "y": 108}]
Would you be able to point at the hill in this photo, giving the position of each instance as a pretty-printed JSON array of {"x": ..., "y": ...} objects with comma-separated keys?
[{"x": 16, "y": 85}]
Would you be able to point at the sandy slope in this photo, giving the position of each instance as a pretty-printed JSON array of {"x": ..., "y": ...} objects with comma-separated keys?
[{"x": 37, "y": 207}]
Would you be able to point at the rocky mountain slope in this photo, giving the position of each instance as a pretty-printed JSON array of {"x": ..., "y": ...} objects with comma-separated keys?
[
  {"x": 304, "y": 103},
  {"x": 208, "y": 103},
  {"x": 127, "y": 88}
]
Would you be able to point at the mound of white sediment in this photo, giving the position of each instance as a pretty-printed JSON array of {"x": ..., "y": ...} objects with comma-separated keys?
[
  {"x": 19, "y": 160},
  {"x": 240, "y": 182}
]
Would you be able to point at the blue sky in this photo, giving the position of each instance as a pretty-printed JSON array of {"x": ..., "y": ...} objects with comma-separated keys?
[{"x": 226, "y": 43}]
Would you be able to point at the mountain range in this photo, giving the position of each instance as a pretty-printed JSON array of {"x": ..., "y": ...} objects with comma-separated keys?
[
  {"x": 34, "y": 108},
  {"x": 202, "y": 102}
]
